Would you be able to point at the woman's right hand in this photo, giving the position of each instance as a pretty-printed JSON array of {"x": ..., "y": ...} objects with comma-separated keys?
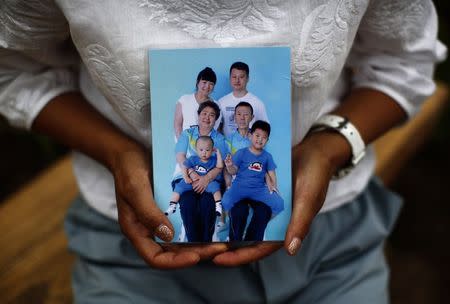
[
  {"x": 141, "y": 220},
  {"x": 312, "y": 171},
  {"x": 139, "y": 217}
]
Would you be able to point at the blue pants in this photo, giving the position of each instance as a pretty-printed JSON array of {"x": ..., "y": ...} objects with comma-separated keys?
[
  {"x": 182, "y": 186},
  {"x": 341, "y": 261},
  {"x": 237, "y": 193},
  {"x": 258, "y": 223},
  {"x": 198, "y": 212}
]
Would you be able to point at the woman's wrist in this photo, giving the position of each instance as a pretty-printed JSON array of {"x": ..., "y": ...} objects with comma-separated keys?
[
  {"x": 122, "y": 149},
  {"x": 332, "y": 146}
]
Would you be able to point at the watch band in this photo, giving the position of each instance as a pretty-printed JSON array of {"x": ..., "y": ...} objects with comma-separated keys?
[{"x": 344, "y": 127}]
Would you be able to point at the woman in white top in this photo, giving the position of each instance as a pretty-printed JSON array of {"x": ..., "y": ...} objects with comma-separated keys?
[
  {"x": 369, "y": 61},
  {"x": 187, "y": 105}
]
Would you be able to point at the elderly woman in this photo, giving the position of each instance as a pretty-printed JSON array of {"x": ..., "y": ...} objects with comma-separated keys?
[
  {"x": 187, "y": 105},
  {"x": 197, "y": 207}
]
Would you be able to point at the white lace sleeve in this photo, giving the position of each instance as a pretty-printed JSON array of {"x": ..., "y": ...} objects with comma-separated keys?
[
  {"x": 35, "y": 61},
  {"x": 396, "y": 49}
]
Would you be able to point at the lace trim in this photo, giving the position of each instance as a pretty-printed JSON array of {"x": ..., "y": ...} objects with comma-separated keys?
[
  {"x": 221, "y": 21},
  {"x": 125, "y": 91}
]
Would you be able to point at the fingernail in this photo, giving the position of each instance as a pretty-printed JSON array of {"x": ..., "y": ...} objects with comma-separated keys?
[
  {"x": 164, "y": 233},
  {"x": 294, "y": 245}
]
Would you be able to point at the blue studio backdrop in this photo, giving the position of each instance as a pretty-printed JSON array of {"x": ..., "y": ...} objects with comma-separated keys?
[{"x": 173, "y": 73}]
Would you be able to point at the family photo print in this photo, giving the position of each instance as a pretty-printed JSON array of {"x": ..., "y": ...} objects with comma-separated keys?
[{"x": 221, "y": 138}]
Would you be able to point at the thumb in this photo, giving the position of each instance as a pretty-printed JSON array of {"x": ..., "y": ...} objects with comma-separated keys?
[
  {"x": 152, "y": 217},
  {"x": 310, "y": 184},
  {"x": 302, "y": 216},
  {"x": 138, "y": 196}
]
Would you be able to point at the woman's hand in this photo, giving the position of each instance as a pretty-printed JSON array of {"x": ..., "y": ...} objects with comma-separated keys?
[
  {"x": 141, "y": 220},
  {"x": 317, "y": 158},
  {"x": 321, "y": 154},
  {"x": 139, "y": 217},
  {"x": 313, "y": 165},
  {"x": 312, "y": 168},
  {"x": 247, "y": 254}
]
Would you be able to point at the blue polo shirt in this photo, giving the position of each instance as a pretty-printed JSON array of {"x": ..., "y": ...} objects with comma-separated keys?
[
  {"x": 252, "y": 168},
  {"x": 200, "y": 167},
  {"x": 236, "y": 142}
]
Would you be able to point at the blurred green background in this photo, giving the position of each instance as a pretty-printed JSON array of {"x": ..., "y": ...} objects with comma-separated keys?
[{"x": 418, "y": 250}]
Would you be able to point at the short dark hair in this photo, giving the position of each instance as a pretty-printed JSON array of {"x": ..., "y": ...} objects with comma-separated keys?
[
  {"x": 244, "y": 104},
  {"x": 205, "y": 138},
  {"x": 206, "y": 74},
  {"x": 210, "y": 104},
  {"x": 262, "y": 125},
  {"x": 238, "y": 65}
]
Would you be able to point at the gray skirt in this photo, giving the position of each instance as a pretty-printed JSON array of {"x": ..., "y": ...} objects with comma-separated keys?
[{"x": 341, "y": 261}]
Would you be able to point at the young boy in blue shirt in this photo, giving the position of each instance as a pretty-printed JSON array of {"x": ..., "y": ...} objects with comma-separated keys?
[{"x": 250, "y": 166}]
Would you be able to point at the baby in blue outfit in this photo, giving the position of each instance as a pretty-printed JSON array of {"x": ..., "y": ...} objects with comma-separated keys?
[{"x": 201, "y": 164}]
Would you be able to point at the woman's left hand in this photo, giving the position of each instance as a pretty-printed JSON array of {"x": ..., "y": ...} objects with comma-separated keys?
[
  {"x": 317, "y": 158},
  {"x": 312, "y": 169}
]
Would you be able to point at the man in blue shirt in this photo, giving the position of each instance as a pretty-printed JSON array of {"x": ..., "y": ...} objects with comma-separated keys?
[{"x": 240, "y": 138}]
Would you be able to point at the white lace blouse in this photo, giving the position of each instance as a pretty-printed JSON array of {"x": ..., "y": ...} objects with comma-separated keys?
[{"x": 389, "y": 45}]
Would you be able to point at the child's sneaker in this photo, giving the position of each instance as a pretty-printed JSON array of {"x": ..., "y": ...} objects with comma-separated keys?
[
  {"x": 172, "y": 208},
  {"x": 219, "y": 208}
]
